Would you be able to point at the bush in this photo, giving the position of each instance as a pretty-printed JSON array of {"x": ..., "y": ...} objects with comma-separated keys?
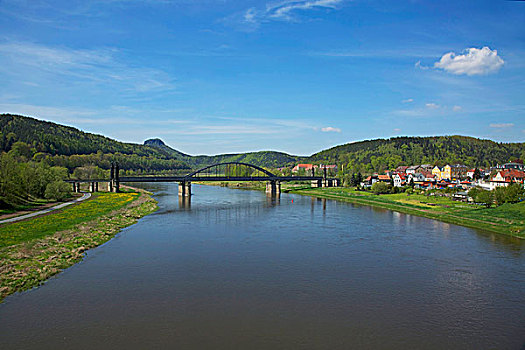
[
  {"x": 380, "y": 188},
  {"x": 514, "y": 193},
  {"x": 58, "y": 190},
  {"x": 485, "y": 197}
]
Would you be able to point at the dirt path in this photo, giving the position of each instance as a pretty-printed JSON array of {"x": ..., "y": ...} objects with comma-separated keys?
[{"x": 45, "y": 211}]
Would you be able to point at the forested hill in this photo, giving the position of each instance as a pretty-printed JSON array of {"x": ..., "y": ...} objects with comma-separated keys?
[
  {"x": 269, "y": 159},
  {"x": 69, "y": 147},
  {"x": 382, "y": 154}
]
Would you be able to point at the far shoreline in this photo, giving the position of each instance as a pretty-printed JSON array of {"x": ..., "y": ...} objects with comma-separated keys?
[
  {"x": 514, "y": 230},
  {"x": 507, "y": 230}
]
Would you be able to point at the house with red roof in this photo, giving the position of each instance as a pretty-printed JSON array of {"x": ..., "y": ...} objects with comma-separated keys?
[
  {"x": 399, "y": 180},
  {"x": 503, "y": 178},
  {"x": 307, "y": 167}
]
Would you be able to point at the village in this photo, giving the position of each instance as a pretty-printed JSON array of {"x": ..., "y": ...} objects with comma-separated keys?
[{"x": 428, "y": 177}]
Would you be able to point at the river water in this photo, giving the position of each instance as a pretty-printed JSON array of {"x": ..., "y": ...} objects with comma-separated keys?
[{"x": 235, "y": 269}]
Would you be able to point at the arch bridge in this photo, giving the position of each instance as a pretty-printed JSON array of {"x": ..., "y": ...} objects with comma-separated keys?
[{"x": 220, "y": 172}]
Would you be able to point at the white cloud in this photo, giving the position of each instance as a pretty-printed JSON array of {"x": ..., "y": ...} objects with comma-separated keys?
[
  {"x": 431, "y": 106},
  {"x": 330, "y": 129},
  {"x": 418, "y": 65},
  {"x": 250, "y": 15},
  {"x": 473, "y": 62},
  {"x": 397, "y": 130},
  {"x": 501, "y": 125},
  {"x": 408, "y": 100},
  {"x": 457, "y": 108},
  {"x": 32, "y": 63},
  {"x": 284, "y": 9}
]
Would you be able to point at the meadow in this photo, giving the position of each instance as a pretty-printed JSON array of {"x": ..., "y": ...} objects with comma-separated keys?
[
  {"x": 508, "y": 219},
  {"x": 31, "y": 251},
  {"x": 39, "y": 227}
]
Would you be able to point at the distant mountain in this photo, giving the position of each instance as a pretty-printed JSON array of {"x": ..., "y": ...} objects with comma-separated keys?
[
  {"x": 383, "y": 154},
  {"x": 70, "y": 147},
  {"x": 269, "y": 159},
  {"x": 154, "y": 143},
  {"x": 159, "y": 144}
]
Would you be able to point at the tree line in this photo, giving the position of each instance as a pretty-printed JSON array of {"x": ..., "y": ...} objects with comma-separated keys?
[{"x": 380, "y": 155}]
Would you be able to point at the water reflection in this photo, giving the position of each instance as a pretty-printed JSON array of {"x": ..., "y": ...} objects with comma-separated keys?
[
  {"x": 237, "y": 269},
  {"x": 273, "y": 199},
  {"x": 184, "y": 202}
]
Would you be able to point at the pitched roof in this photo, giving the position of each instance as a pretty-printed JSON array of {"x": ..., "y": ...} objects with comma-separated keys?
[
  {"x": 514, "y": 173},
  {"x": 307, "y": 166}
]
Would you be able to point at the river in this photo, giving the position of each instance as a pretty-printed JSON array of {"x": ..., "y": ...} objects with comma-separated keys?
[{"x": 235, "y": 269}]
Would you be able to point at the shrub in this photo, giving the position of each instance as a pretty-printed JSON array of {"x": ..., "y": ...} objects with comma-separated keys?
[
  {"x": 380, "y": 188},
  {"x": 485, "y": 197},
  {"x": 58, "y": 190}
]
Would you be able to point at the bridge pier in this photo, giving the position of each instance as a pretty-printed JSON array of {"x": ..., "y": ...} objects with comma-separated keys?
[
  {"x": 93, "y": 187},
  {"x": 114, "y": 185},
  {"x": 114, "y": 178},
  {"x": 317, "y": 183},
  {"x": 273, "y": 188},
  {"x": 184, "y": 189}
]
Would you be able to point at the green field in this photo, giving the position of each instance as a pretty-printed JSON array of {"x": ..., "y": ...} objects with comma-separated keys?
[
  {"x": 508, "y": 219},
  {"x": 39, "y": 227},
  {"x": 33, "y": 250}
]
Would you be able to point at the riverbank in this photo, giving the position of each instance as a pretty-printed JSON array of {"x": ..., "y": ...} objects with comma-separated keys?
[
  {"x": 31, "y": 206},
  {"x": 507, "y": 219},
  {"x": 19, "y": 216},
  {"x": 32, "y": 251}
]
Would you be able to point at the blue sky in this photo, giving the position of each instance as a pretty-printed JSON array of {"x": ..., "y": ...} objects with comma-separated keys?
[{"x": 298, "y": 76}]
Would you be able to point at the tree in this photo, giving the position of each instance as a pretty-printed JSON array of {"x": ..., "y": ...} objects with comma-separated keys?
[
  {"x": 380, "y": 188},
  {"x": 500, "y": 195},
  {"x": 485, "y": 197},
  {"x": 359, "y": 179},
  {"x": 477, "y": 174},
  {"x": 353, "y": 181},
  {"x": 58, "y": 190},
  {"x": 89, "y": 172},
  {"x": 514, "y": 193},
  {"x": 473, "y": 192},
  {"x": 21, "y": 149}
]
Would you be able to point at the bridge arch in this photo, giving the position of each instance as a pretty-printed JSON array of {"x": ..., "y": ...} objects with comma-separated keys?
[{"x": 190, "y": 175}]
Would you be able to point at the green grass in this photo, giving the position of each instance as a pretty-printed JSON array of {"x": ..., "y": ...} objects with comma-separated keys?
[
  {"x": 39, "y": 227},
  {"x": 30, "y": 204},
  {"x": 508, "y": 219},
  {"x": 50, "y": 244}
]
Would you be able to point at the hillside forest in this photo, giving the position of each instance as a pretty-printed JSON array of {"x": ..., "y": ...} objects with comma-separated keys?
[{"x": 36, "y": 156}]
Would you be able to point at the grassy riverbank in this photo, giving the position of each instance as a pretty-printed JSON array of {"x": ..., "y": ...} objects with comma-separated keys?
[
  {"x": 31, "y": 251},
  {"x": 508, "y": 219}
]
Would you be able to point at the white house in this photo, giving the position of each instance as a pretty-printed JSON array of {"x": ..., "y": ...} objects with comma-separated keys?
[
  {"x": 399, "y": 180},
  {"x": 412, "y": 169},
  {"x": 415, "y": 177}
]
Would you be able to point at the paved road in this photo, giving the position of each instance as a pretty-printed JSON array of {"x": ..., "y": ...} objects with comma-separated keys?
[{"x": 40, "y": 212}]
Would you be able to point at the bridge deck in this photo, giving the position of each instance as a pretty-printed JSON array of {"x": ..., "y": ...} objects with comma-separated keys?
[
  {"x": 216, "y": 178},
  {"x": 203, "y": 178}
]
